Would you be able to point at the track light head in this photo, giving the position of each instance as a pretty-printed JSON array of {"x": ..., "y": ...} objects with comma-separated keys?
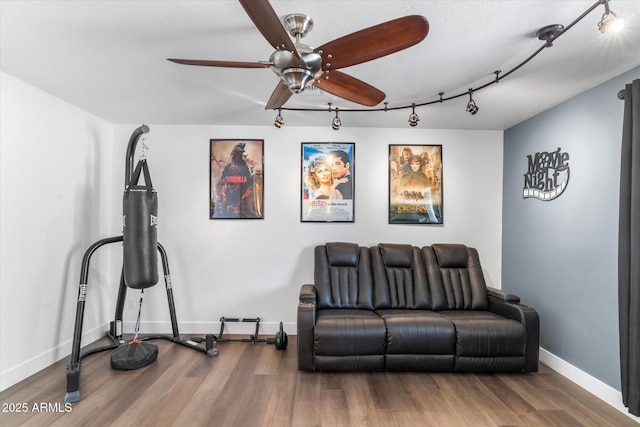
[
  {"x": 279, "y": 120},
  {"x": 472, "y": 108},
  {"x": 413, "y": 118},
  {"x": 336, "y": 123},
  {"x": 610, "y": 22}
]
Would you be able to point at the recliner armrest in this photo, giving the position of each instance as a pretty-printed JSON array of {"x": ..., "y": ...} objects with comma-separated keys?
[
  {"x": 307, "y": 294},
  {"x": 502, "y": 295},
  {"x": 508, "y": 305},
  {"x": 305, "y": 327}
]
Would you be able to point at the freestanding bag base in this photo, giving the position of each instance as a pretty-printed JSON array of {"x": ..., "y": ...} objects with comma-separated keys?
[{"x": 135, "y": 354}]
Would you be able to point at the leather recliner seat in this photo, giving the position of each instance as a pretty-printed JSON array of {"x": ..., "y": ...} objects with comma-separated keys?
[{"x": 399, "y": 307}]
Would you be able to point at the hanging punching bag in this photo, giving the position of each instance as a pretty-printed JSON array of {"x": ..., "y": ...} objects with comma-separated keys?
[{"x": 140, "y": 232}]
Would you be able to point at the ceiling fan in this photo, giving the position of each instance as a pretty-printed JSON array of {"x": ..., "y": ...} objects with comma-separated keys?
[{"x": 299, "y": 65}]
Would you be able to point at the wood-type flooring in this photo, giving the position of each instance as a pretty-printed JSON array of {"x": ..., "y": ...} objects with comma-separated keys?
[{"x": 257, "y": 385}]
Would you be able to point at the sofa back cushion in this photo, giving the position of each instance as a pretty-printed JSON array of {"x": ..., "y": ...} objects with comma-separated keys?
[
  {"x": 400, "y": 279},
  {"x": 455, "y": 277},
  {"x": 342, "y": 275}
]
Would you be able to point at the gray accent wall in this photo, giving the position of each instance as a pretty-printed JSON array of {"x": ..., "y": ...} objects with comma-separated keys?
[{"x": 560, "y": 256}]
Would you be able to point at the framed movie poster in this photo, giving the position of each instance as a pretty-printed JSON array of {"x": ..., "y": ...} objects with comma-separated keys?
[
  {"x": 236, "y": 179},
  {"x": 415, "y": 184},
  {"x": 327, "y": 182}
]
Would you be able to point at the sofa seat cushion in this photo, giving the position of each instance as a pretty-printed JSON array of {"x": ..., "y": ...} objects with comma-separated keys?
[
  {"x": 485, "y": 334},
  {"x": 348, "y": 332},
  {"x": 418, "y": 332}
]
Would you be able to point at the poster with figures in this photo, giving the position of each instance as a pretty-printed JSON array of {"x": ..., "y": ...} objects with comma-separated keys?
[
  {"x": 415, "y": 184},
  {"x": 236, "y": 179},
  {"x": 327, "y": 182}
]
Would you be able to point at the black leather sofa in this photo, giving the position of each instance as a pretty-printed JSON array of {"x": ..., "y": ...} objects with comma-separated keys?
[{"x": 403, "y": 308}]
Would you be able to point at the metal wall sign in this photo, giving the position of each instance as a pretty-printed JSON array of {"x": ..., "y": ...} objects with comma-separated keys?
[{"x": 547, "y": 175}]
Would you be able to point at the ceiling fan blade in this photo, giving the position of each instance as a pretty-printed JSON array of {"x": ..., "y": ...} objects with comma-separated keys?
[
  {"x": 231, "y": 64},
  {"x": 268, "y": 22},
  {"x": 280, "y": 95},
  {"x": 374, "y": 42},
  {"x": 350, "y": 88}
]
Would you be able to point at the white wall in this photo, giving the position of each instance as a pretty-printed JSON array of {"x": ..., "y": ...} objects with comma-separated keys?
[
  {"x": 62, "y": 180},
  {"x": 249, "y": 268},
  {"x": 54, "y": 175}
]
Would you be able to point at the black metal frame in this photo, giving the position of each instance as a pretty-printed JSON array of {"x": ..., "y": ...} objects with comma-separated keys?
[
  {"x": 254, "y": 338},
  {"x": 115, "y": 330}
]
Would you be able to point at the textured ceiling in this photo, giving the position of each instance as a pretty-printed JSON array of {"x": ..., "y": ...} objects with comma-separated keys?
[{"x": 109, "y": 58}]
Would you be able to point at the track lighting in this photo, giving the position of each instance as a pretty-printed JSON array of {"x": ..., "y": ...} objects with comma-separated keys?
[
  {"x": 336, "y": 123},
  {"x": 279, "y": 120},
  {"x": 609, "y": 23},
  {"x": 413, "y": 118},
  {"x": 472, "y": 108}
]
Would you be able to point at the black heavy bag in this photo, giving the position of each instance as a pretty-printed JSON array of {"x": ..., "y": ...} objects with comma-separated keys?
[
  {"x": 140, "y": 232},
  {"x": 135, "y": 354}
]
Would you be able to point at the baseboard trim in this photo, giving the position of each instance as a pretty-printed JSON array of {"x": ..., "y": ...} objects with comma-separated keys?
[
  {"x": 37, "y": 363},
  {"x": 593, "y": 385}
]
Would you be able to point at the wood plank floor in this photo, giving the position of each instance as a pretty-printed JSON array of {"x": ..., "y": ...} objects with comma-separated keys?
[{"x": 257, "y": 385}]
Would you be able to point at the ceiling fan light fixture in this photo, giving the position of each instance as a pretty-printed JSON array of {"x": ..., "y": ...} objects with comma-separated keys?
[
  {"x": 297, "y": 78},
  {"x": 610, "y": 22}
]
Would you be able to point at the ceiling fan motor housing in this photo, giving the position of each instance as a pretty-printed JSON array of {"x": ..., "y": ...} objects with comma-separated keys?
[{"x": 295, "y": 73}]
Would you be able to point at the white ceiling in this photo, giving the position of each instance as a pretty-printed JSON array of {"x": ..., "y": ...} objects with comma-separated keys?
[{"x": 109, "y": 58}]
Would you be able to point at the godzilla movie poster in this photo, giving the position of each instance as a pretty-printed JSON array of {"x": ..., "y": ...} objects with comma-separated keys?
[
  {"x": 415, "y": 184},
  {"x": 236, "y": 179}
]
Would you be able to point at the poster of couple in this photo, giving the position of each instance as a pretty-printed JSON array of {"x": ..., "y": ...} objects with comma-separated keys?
[{"x": 327, "y": 182}]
